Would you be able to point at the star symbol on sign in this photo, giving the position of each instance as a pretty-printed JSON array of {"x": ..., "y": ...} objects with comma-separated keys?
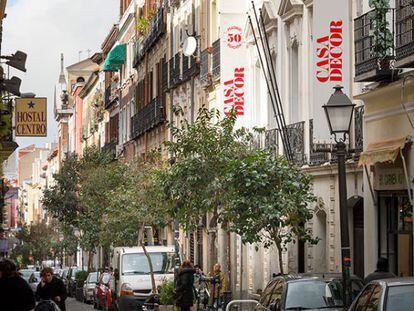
[{"x": 31, "y": 105}]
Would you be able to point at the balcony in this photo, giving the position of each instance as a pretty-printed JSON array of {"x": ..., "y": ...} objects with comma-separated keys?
[
  {"x": 272, "y": 141},
  {"x": 156, "y": 29},
  {"x": 404, "y": 45},
  {"x": 358, "y": 130},
  {"x": 374, "y": 45},
  {"x": 296, "y": 141},
  {"x": 177, "y": 69},
  {"x": 110, "y": 149},
  {"x": 205, "y": 76},
  {"x": 317, "y": 157},
  {"x": 147, "y": 118},
  {"x": 190, "y": 68},
  {"x": 216, "y": 60}
]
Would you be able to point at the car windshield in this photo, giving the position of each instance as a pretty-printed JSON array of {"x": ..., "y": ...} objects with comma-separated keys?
[
  {"x": 312, "y": 294},
  {"x": 138, "y": 263},
  {"x": 93, "y": 278},
  {"x": 26, "y": 273},
  {"x": 400, "y": 298}
]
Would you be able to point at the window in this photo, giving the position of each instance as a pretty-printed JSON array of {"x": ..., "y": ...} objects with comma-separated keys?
[
  {"x": 363, "y": 298},
  {"x": 400, "y": 298},
  {"x": 138, "y": 263},
  {"x": 374, "y": 301},
  {"x": 294, "y": 84}
]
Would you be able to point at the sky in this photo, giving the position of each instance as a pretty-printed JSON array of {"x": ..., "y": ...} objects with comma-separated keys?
[{"x": 45, "y": 28}]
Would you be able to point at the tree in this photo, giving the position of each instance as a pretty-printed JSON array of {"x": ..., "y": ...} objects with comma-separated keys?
[
  {"x": 268, "y": 201},
  {"x": 194, "y": 186},
  {"x": 136, "y": 204},
  {"x": 62, "y": 200}
]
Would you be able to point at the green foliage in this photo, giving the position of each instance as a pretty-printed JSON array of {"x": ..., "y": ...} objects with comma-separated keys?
[
  {"x": 268, "y": 200},
  {"x": 166, "y": 290},
  {"x": 383, "y": 38},
  {"x": 81, "y": 277},
  {"x": 195, "y": 184}
]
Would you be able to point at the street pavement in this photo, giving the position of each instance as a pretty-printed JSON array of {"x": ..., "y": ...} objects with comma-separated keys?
[{"x": 73, "y": 305}]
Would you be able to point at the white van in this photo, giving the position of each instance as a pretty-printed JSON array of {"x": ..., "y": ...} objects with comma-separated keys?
[{"x": 132, "y": 277}]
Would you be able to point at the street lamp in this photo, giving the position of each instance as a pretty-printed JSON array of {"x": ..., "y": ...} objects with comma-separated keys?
[{"x": 339, "y": 110}]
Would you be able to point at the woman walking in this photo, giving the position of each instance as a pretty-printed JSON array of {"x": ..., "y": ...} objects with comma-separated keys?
[{"x": 184, "y": 291}]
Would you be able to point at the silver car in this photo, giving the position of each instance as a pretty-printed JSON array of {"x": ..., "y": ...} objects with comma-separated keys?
[
  {"x": 89, "y": 286},
  {"x": 388, "y": 294}
]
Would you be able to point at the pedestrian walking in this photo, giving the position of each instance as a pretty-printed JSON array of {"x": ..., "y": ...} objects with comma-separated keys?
[
  {"x": 51, "y": 288},
  {"x": 184, "y": 291},
  {"x": 15, "y": 293},
  {"x": 382, "y": 271},
  {"x": 218, "y": 287}
]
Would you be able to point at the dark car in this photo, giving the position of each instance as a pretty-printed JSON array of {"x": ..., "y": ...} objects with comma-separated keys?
[
  {"x": 104, "y": 292},
  {"x": 306, "y": 292},
  {"x": 388, "y": 294},
  {"x": 71, "y": 281}
]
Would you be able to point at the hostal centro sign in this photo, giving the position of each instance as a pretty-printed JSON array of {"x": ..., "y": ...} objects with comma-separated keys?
[{"x": 31, "y": 117}]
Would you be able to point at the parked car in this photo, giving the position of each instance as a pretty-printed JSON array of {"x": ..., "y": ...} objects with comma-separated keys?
[
  {"x": 71, "y": 281},
  {"x": 26, "y": 273},
  {"x": 34, "y": 280},
  {"x": 388, "y": 294},
  {"x": 306, "y": 292},
  {"x": 132, "y": 278},
  {"x": 104, "y": 292},
  {"x": 89, "y": 286}
]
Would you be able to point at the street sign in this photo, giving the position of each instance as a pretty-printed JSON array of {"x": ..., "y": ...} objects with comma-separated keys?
[{"x": 31, "y": 117}]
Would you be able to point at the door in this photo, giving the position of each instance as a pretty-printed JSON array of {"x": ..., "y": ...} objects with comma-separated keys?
[
  {"x": 358, "y": 250},
  {"x": 396, "y": 233}
]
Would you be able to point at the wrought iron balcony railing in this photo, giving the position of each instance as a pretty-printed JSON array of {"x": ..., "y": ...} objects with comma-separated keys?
[
  {"x": 171, "y": 69},
  {"x": 147, "y": 118},
  {"x": 272, "y": 140},
  {"x": 374, "y": 45},
  {"x": 190, "y": 68},
  {"x": 156, "y": 29},
  {"x": 404, "y": 32},
  {"x": 216, "y": 60},
  {"x": 296, "y": 141},
  {"x": 317, "y": 157},
  {"x": 205, "y": 76},
  {"x": 177, "y": 69},
  {"x": 164, "y": 65},
  {"x": 358, "y": 130}
]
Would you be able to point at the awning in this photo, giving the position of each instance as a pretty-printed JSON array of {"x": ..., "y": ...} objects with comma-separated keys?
[
  {"x": 116, "y": 58},
  {"x": 383, "y": 151}
]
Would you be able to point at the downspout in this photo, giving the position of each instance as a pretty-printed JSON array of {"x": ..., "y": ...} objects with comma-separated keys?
[{"x": 192, "y": 77}]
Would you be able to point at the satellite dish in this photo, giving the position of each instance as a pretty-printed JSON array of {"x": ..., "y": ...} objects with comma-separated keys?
[{"x": 190, "y": 46}]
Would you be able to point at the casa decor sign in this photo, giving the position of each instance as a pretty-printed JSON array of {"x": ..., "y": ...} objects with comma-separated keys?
[
  {"x": 331, "y": 58},
  {"x": 31, "y": 117},
  {"x": 233, "y": 53}
]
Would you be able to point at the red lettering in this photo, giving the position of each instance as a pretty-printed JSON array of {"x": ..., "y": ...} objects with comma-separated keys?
[
  {"x": 336, "y": 75},
  {"x": 336, "y": 26}
]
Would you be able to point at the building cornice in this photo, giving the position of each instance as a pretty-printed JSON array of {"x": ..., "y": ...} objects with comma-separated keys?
[{"x": 289, "y": 9}]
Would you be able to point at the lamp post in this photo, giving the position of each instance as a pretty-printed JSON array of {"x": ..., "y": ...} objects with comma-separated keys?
[{"x": 339, "y": 110}]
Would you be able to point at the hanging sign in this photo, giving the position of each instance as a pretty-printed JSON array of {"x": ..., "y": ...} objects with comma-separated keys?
[
  {"x": 31, "y": 117},
  {"x": 331, "y": 58},
  {"x": 233, "y": 57}
]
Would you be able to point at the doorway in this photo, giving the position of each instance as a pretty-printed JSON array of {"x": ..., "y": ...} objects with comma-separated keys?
[
  {"x": 358, "y": 237},
  {"x": 396, "y": 232}
]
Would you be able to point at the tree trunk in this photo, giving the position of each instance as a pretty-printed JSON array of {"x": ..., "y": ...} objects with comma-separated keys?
[
  {"x": 279, "y": 250},
  {"x": 151, "y": 269},
  {"x": 90, "y": 259}
]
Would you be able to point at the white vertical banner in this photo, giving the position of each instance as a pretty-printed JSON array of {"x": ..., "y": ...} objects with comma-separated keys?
[
  {"x": 331, "y": 57},
  {"x": 233, "y": 57}
]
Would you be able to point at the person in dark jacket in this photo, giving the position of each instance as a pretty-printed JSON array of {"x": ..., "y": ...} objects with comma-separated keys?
[
  {"x": 15, "y": 293},
  {"x": 382, "y": 271},
  {"x": 51, "y": 288},
  {"x": 184, "y": 290}
]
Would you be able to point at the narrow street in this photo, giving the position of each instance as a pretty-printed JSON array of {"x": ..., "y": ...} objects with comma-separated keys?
[{"x": 73, "y": 305}]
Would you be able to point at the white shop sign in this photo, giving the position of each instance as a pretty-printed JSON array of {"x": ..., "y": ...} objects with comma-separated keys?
[{"x": 331, "y": 58}]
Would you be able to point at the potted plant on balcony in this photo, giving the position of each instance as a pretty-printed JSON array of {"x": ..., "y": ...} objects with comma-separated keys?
[{"x": 383, "y": 40}]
